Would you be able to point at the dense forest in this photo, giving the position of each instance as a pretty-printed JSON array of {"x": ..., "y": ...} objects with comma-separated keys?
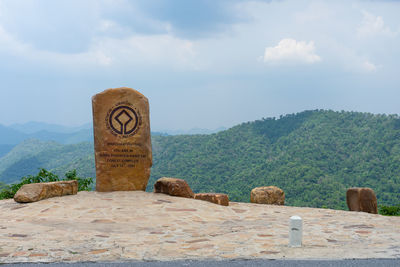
[{"x": 314, "y": 156}]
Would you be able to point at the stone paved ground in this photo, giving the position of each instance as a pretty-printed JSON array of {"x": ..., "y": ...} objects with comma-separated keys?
[{"x": 128, "y": 226}]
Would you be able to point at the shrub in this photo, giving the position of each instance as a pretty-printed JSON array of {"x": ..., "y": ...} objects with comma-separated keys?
[
  {"x": 8, "y": 191},
  {"x": 84, "y": 184},
  {"x": 389, "y": 210}
]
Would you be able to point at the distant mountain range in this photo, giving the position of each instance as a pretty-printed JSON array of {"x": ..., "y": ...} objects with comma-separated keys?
[
  {"x": 314, "y": 156},
  {"x": 24, "y": 147},
  {"x": 192, "y": 131},
  {"x": 35, "y": 127},
  {"x": 15, "y": 134}
]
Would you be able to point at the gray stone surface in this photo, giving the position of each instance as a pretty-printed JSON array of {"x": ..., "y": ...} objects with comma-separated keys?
[{"x": 229, "y": 263}]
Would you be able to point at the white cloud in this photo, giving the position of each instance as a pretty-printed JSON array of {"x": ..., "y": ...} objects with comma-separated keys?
[
  {"x": 369, "y": 66},
  {"x": 145, "y": 50},
  {"x": 136, "y": 50},
  {"x": 9, "y": 44},
  {"x": 292, "y": 51},
  {"x": 373, "y": 25},
  {"x": 350, "y": 59}
]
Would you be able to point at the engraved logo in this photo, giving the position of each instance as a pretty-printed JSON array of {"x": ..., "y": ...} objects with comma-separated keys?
[{"x": 123, "y": 119}]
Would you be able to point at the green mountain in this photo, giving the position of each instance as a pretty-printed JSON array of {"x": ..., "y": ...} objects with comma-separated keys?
[{"x": 314, "y": 156}]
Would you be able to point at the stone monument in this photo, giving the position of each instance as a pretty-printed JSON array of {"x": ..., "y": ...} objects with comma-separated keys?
[{"x": 122, "y": 144}]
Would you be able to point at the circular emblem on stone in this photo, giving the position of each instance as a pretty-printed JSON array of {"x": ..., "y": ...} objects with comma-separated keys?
[{"x": 123, "y": 120}]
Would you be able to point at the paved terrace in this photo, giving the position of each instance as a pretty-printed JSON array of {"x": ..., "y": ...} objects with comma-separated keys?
[{"x": 130, "y": 226}]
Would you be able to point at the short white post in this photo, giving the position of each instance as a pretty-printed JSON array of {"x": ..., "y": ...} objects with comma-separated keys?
[{"x": 295, "y": 231}]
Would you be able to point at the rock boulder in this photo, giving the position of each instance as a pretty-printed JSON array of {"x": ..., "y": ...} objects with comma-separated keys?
[
  {"x": 38, "y": 191},
  {"x": 267, "y": 195},
  {"x": 173, "y": 187},
  {"x": 220, "y": 199}
]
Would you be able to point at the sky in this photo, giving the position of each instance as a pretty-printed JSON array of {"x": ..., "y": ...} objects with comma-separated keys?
[{"x": 202, "y": 64}]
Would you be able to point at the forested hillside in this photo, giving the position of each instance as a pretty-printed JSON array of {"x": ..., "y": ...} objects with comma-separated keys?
[
  {"x": 314, "y": 156},
  {"x": 30, "y": 155}
]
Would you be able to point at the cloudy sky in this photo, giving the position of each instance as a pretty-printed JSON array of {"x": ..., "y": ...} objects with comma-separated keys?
[{"x": 201, "y": 63}]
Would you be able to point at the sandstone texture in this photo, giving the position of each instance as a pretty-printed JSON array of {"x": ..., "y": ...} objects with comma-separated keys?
[
  {"x": 38, "y": 191},
  {"x": 220, "y": 199},
  {"x": 362, "y": 199},
  {"x": 122, "y": 143},
  {"x": 134, "y": 225},
  {"x": 173, "y": 187},
  {"x": 267, "y": 195}
]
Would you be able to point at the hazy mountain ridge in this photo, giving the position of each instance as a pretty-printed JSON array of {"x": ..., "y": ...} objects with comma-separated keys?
[
  {"x": 34, "y": 127},
  {"x": 193, "y": 131},
  {"x": 4, "y": 149},
  {"x": 14, "y": 135},
  {"x": 314, "y": 156}
]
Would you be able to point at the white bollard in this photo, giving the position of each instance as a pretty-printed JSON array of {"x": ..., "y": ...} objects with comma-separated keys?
[{"x": 295, "y": 231}]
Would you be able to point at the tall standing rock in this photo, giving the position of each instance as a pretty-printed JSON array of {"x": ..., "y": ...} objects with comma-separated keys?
[
  {"x": 122, "y": 143},
  {"x": 362, "y": 199}
]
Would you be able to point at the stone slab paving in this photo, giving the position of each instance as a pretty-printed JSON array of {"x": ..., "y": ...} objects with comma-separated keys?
[{"x": 131, "y": 226}]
